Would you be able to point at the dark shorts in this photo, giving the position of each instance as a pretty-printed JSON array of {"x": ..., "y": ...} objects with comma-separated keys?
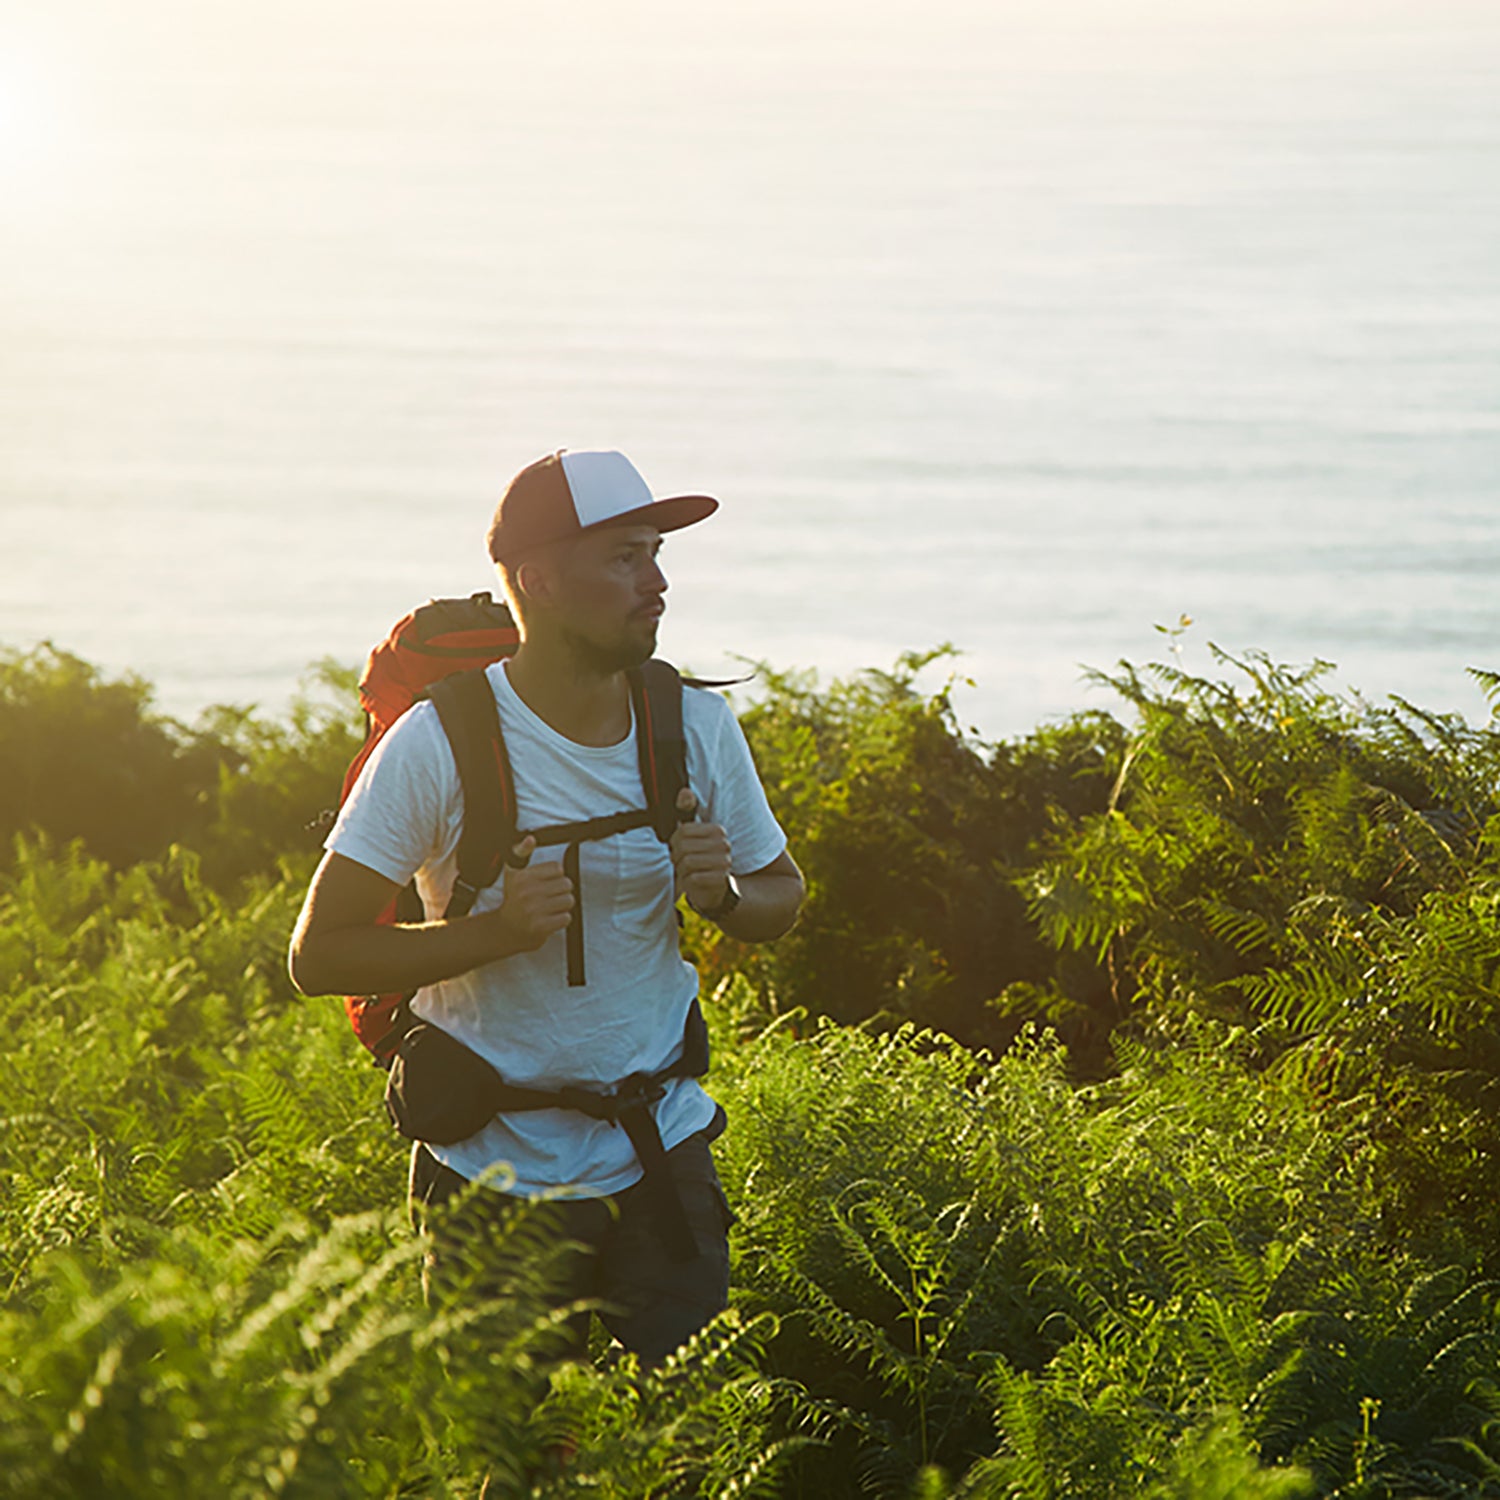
[{"x": 649, "y": 1301}]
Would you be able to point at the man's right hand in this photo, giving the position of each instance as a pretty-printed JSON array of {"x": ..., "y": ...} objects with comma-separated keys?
[{"x": 537, "y": 903}]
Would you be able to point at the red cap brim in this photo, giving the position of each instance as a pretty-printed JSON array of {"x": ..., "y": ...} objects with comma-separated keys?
[{"x": 671, "y": 514}]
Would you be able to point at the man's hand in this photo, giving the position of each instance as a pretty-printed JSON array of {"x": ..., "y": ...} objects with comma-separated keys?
[
  {"x": 342, "y": 947},
  {"x": 538, "y": 902},
  {"x": 700, "y": 856}
]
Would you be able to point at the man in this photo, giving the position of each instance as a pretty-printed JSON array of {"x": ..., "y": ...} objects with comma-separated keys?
[{"x": 576, "y": 538}]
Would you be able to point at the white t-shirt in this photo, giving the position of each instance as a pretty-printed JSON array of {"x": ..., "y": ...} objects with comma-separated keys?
[{"x": 403, "y": 819}]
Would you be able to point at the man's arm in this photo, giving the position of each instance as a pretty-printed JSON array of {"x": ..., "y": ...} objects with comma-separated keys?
[
  {"x": 769, "y": 897},
  {"x": 340, "y": 946}
]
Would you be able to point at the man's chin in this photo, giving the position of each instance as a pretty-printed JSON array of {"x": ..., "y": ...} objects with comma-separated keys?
[
  {"x": 618, "y": 656},
  {"x": 646, "y": 636}
]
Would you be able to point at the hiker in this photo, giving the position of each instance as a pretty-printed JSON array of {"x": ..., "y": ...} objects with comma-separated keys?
[{"x": 566, "y": 976}]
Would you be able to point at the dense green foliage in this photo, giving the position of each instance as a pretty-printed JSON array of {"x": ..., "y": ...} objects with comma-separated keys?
[
  {"x": 87, "y": 759},
  {"x": 1236, "y": 1240},
  {"x": 912, "y": 840},
  {"x": 1324, "y": 873},
  {"x": 83, "y": 758}
]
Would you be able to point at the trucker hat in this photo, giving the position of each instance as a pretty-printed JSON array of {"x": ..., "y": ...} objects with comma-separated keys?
[{"x": 565, "y": 494}]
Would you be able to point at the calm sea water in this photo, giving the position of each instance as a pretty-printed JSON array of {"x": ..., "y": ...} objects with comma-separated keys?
[{"x": 1025, "y": 327}]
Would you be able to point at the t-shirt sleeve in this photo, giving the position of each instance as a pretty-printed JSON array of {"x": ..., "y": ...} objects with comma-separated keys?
[
  {"x": 406, "y": 809},
  {"x": 730, "y": 790}
]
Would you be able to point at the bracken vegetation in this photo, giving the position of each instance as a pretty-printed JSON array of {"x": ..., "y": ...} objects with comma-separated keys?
[{"x": 1120, "y": 1120}]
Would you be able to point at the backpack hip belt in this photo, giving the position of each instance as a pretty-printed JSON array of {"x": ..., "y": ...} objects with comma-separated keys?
[{"x": 441, "y": 1092}]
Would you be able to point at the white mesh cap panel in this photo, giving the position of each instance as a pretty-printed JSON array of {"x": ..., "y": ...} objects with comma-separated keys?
[{"x": 605, "y": 484}]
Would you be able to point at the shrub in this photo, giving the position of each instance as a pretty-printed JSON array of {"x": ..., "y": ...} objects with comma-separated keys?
[
  {"x": 87, "y": 759},
  {"x": 84, "y": 758},
  {"x": 1323, "y": 872},
  {"x": 910, "y": 839}
]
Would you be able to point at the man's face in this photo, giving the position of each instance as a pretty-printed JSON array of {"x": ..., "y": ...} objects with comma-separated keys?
[{"x": 608, "y": 595}]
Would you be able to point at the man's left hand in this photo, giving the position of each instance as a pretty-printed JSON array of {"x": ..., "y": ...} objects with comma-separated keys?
[{"x": 700, "y": 856}]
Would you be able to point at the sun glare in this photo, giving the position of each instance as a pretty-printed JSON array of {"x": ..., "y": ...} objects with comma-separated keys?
[{"x": 30, "y": 114}]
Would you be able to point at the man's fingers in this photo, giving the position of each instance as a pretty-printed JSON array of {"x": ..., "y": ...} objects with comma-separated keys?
[
  {"x": 693, "y": 835},
  {"x": 520, "y": 856},
  {"x": 702, "y": 861},
  {"x": 687, "y": 805},
  {"x": 701, "y": 841},
  {"x": 547, "y": 881}
]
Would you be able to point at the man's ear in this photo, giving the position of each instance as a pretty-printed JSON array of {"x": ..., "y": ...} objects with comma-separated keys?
[{"x": 534, "y": 581}]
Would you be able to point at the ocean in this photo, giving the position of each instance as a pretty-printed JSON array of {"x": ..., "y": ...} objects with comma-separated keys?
[{"x": 1026, "y": 327}]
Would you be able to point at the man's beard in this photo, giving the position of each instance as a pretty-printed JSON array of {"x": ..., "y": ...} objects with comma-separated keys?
[{"x": 605, "y": 661}]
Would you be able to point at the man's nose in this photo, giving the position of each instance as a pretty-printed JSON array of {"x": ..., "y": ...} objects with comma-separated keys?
[{"x": 654, "y": 581}]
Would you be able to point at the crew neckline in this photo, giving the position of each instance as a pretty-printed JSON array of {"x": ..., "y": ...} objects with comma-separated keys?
[{"x": 536, "y": 722}]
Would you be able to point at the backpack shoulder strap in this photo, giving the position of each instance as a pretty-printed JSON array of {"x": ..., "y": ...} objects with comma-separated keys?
[
  {"x": 656, "y": 695},
  {"x": 465, "y": 704}
]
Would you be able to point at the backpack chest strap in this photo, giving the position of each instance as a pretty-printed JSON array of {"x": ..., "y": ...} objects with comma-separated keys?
[
  {"x": 573, "y": 836},
  {"x": 587, "y": 830}
]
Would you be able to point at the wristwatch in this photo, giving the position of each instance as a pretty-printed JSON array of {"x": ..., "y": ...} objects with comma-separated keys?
[{"x": 727, "y": 904}]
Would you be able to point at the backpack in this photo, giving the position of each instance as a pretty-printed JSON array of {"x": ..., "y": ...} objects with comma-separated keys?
[
  {"x": 440, "y": 651},
  {"x": 434, "y": 641},
  {"x": 438, "y": 1090}
]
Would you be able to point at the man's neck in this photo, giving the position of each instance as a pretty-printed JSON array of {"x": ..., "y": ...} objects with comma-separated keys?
[{"x": 583, "y": 705}]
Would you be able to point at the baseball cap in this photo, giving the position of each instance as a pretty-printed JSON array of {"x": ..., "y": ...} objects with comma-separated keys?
[{"x": 567, "y": 493}]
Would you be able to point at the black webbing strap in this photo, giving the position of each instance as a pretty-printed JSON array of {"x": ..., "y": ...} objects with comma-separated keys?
[
  {"x": 574, "y": 928},
  {"x": 574, "y": 836},
  {"x": 586, "y": 830},
  {"x": 630, "y": 1107},
  {"x": 465, "y": 703},
  {"x": 403, "y": 1018},
  {"x": 656, "y": 1180},
  {"x": 656, "y": 696}
]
